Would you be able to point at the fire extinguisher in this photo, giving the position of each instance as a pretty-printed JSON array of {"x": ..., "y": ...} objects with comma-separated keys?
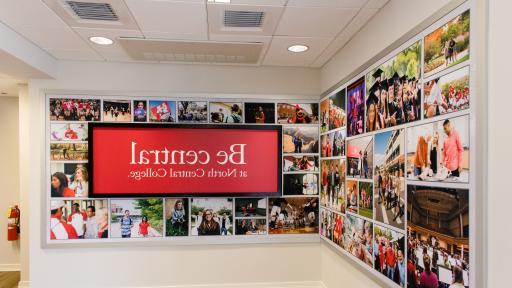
[{"x": 13, "y": 223}]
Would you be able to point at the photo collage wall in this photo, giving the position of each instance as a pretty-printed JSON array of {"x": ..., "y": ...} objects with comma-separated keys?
[
  {"x": 73, "y": 216},
  {"x": 395, "y": 160}
]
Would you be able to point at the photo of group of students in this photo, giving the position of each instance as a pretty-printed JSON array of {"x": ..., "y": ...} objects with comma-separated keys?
[
  {"x": 300, "y": 139},
  {"x": 192, "y": 111},
  {"x": 332, "y": 183},
  {"x": 297, "y": 113},
  {"x": 331, "y": 226},
  {"x": 78, "y": 219},
  {"x": 69, "y": 180},
  {"x": 251, "y": 216},
  {"x": 69, "y": 151},
  {"x": 438, "y": 237},
  {"x": 60, "y": 132},
  {"x": 300, "y": 163},
  {"x": 333, "y": 144},
  {"x": 136, "y": 218},
  {"x": 360, "y": 158},
  {"x": 389, "y": 254},
  {"x": 300, "y": 184},
  {"x": 439, "y": 151},
  {"x": 293, "y": 215},
  {"x": 226, "y": 112},
  {"x": 117, "y": 110},
  {"x": 332, "y": 112},
  {"x": 65, "y": 109},
  {"x": 393, "y": 95},
  {"x": 211, "y": 216}
]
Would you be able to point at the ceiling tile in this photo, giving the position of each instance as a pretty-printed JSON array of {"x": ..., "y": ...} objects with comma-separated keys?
[
  {"x": 112, "y": 52},
  {"x": 169, "y": 19},
  {"x": 327, "y": 3},
  {"x": 376, "y": 4},
  {"x": 314, "y": 21},
  {"x": 16, "y": 14},
  {"x": 278, "y": 54},
  {"x": 355, "y": 25},
  {"x": 81, "y": 55}
]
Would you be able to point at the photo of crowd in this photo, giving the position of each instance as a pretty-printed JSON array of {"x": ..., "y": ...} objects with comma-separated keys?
[
  {"x": 337, "y": 114},
  {"x": 69, "y": 180},
  {"x": 389, "y": 179},
  {"x": 300, "y": 139},
  {"x": 298, "y": 163},
  {"x": 140, "y": 111},
  {"x": 446, "y": 94},
  {"x": 293, "y": 215},
  {"x": 300, "y": 113},
  {"x": 63, "y": 109},
  {"x": 360, "y": 157},
  {"x": 251, "y": 226},
  {"x": 358, "y": 237},
  {"x": 333, "y": 144},
  {"x": 117, "y": 110},
  {"x": 365, "y": 199},
  {"x": 393, "y": 95},
  {"x": 438, "y": 237},
  {"x": 226, "y": 112},
  {"x": 355, "y": 108},
  {"x": 300, "y": 184},
  {"x": 439, "y": 151},
  {"x": 78, "y": 219},
  {"x": 68, "y": 132},
  {"x": 176, "y": 217},
  {"x": 352, "y": 200},
  {"x": 136, "y": 218},
  {"x": 211, "y": 216},
  {"x": 260, "y": 113},
  {"x": 250, "y": 207},
  {"x": 69, "y": 151},
  {"x": 448, "y": 45},
  {"x": 192, "y": 111},
  {"x": 332, "y": 192},
  {"x": 324, "y": 116},
  {"x": 162, "y": 111},
  {"x": 388, "y": 251}
]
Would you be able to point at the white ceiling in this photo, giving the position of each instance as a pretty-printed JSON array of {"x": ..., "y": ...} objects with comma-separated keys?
[{"x": 323, "y": 25}]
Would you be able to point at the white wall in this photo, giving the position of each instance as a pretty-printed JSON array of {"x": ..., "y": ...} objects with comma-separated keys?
[{"x": 9, "y": 192}]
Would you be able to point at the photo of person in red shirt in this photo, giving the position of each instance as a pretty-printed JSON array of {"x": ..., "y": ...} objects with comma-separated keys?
[{"x": 144, "y": 227}]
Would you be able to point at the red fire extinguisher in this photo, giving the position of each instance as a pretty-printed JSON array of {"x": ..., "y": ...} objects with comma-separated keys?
[{"x": 13, "y": 223}]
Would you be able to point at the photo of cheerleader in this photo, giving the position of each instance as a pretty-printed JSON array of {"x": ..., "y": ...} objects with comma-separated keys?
[
  {"x": 360, "y": 158},
  {"x": 337, "y": 115},
  {"x": 117, "y": 111},
  {"x": 65, "y": 109},
  {"x": 297, "y": 163},
  {"x": 358, "y": 238},
  {"x": 332, "y": 183},
  {"x": 293, "y": 215},
  {"x": 300, "y": 113},
  {"x": 389, "y": 252},
  {"x": 355, "y": 108}
]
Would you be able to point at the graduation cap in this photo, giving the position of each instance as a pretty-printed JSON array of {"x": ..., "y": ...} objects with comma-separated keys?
[
  {"x": 395, "y": 76},
  {"x": 403, "y": 78},
  {"x": 372, "y": 99},
  {"x": 377, "y": 73},
  {"x": 413, "y": 79},
  {"x": 375, "y": 87},
  {"x": 384, "y": 85}
]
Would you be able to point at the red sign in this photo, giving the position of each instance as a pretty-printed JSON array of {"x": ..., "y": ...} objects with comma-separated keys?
[{"x": 186, "y": 160}]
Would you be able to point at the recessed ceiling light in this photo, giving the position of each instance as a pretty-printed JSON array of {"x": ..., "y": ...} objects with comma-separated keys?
[
  {"x": 298, "y": 48},
  {"x": 101, "y": 40}
]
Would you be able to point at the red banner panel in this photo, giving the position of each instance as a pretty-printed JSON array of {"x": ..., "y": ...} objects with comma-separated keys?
[{"x": 189, "y": 160}]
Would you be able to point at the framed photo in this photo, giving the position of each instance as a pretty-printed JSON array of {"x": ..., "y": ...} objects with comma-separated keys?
[
  {"x": 392, "y": 244},
  {"x": 300, "y": 184},
  {"x": 360, "y": 157},
  {"x": 69, "y": 180},
  {"x": 69, "y": 151},
  {"x": 192, "y": 111},
  {"x": 337, "y": 113},
  {"x": 358, "y": 238},
  {"x": 251, "y": 226},
  {"x": 365, "y": 199},
  {"x": 332, "y": 183},
  {"x": 250, "y": 207},
  {"x": 226, "y": 112},
  {"x": 352, "y": 196},
  {"x": 162, "y": 111},
  {"x": 300, "y": 113},
  {"x": 211, "y": 217},
  {"x": 69, "y": 109},
  {"x": 176, "y": 217},
  {"x": 293, "y": 215},
  {"x": 324, "y": 116},
  {"x": 300, "y": 139},
  {"x": 333, "y": 143},
  {"x": 355, "y": 108},
  {"x": 140, "y": 111},
  {"x": 68, "y": 132},
  {"x": 260, "y": 113},
  {"x": 136, "y": 218},
  {"x": 300, "y": 163},
  {"x": 117, "y": 111}
]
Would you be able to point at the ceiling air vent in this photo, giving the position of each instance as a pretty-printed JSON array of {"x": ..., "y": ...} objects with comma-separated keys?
[
  {"x": 93, "y": 11},
  {"x": 243, "y": 19}
]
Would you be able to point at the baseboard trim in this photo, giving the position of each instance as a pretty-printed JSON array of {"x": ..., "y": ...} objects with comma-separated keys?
[
  {"x": 301, "y": 284},
  {"x": 24, "y": 284},
  {"x": 9, "y": 267}
]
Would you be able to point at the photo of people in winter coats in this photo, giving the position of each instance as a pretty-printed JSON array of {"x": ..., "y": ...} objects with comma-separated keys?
[
  {"x": 78, "y": 219},
  {"x": 293, "y": 215},
  {"x": 136, "y": 218},
  {"x": 298, "y": 113},
  {"x": 211, "y": 216}
]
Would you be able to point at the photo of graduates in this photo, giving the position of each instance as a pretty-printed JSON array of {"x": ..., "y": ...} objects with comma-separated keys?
[
  {"x": 448, "y": 45},
  {"x": 333, "y": 143},
  {"x": 355, "y": 108},
  {"x": 192, "y": 111},
  {"x": 365, "y": 199},
  {"x": 68, "y": 132},
  {"x": 300, "y": 113},
  {"x": 352, "y": 200},
  {"x": 117, "y": 110},
  {"x": 162, "y": 111},
  {"x": 140, "y": 111},
  {"x": 327, "y": 223},
  {"x": 176, "y": 217},
  {"x": 358, "y": 237},
  {"x": 136, "y": 218},
  {"x": 332, "y": 183},
  {"x": 337, "y": 114},
  {"x": 78, "y": 219},
  {"x": 439, "y": 151},
  {"x": 393, "y": 95},
  {"x": 69, "y": 151},
  {"x": 260, "y": 113},
  {"x": 69, "y": 180},
  {"x": 389, "y": 179},
  {"x": 446, "y": 94},
  {"x": 300, "y": 184},
  {"x": 324, "y": 116},
  {"x": 251, "y": 226},
  {"x": 226, "y": 112},
  {"x": 300, "y": 139},
  {"x": 299, "y": 163},
  {"x": 211, "y": 217},
  {"x": 293, "y": 215},
  {"x": 438, "y": 237},
  {"x": 389, "y": 252},
  {"x": 250, "y": 207},
  {"x": 360, "y": 157},
  {"x": 64, "y": 109}
]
